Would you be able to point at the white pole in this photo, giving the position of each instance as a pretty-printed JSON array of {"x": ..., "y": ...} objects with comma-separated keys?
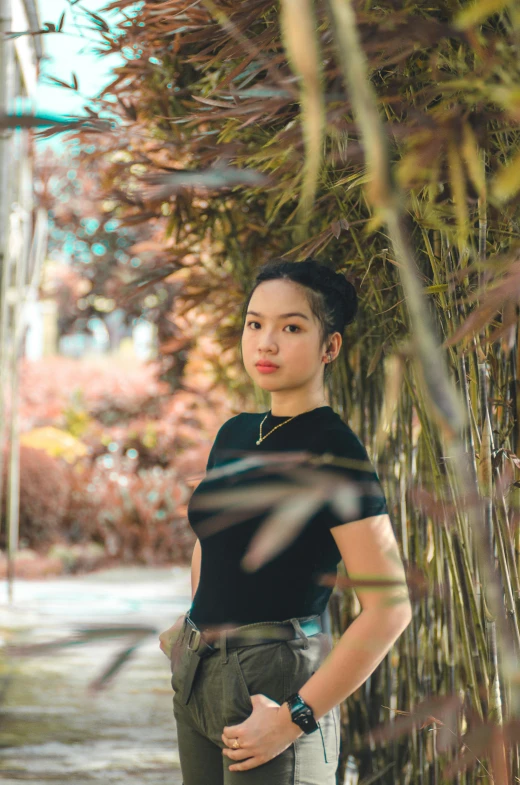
[
  {"x": 6, "y": 174},
  {"x": 19, "y": 218},
  {"x": 28, "y": 247}
]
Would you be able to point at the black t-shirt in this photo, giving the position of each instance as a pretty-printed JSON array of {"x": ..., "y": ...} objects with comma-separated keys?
[{"x": 287, "y": 585}]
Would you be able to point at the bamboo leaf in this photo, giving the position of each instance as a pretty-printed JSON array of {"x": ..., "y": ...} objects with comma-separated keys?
[
  {"x": 375, "y": 360},
  {"x": 60, "y": 82},
  {"x": 477, "y": 12},
  {"x": 506, "y": 183},
  {"x": 35, "y": 121},
  {"x": 459, "y": 197},
  {"x": 473, "y": 160},
  {"x": 161, "y": 185},
  {"x": 394, "y": 371},
  {"x": 98, "y": 20}
]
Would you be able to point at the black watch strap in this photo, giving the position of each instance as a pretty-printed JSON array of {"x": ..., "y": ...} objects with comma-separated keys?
[{"x": 301, "y": 713}]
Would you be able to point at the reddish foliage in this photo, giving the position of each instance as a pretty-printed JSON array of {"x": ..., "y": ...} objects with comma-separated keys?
[
  {"x": 44, "y": 497},
  {"x": 105, "y": 389},
  {"x": 146, "y": 449},
  {"x": 139, "y": 516}
]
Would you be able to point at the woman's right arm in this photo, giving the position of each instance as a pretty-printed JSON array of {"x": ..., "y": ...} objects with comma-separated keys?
[
  {"x": 167, "y": 638},
  {"x": 195, "y": 568}
]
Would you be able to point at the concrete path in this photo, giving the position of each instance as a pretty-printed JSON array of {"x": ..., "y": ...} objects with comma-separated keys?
[{"x": 51, "y": 729}]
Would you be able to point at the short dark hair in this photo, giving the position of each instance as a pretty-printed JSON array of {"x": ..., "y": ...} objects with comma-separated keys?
[{"x": 331, "y": 297}]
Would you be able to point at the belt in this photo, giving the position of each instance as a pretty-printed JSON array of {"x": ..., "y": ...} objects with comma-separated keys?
[{"x": 249, "y": 635}]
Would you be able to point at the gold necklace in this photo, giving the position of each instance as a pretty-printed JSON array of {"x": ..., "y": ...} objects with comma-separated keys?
[{"x": 261, "y": 439}]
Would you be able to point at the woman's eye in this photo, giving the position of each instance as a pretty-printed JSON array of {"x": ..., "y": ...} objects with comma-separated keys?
[{"x": 287, "y": 325}]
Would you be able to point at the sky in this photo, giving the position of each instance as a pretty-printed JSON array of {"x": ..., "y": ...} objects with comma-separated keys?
[{"x": 68, "y": 54}]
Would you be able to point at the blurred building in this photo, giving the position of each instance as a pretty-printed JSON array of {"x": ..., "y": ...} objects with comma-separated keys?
[
  {"x": 29, "y": 323},
  {"x": 22, "y": 227}
]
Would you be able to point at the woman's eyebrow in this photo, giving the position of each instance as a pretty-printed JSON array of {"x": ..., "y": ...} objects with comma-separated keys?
[{"x": 282, "y": 315}]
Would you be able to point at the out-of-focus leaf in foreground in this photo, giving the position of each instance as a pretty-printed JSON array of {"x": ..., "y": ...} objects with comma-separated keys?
[
  {"x": 300, "y": 37},
  {"x": 136, "y": 634},
  {"x": 476, "y": 12},
  {"x": 162, "y": 185},
  {"x": 292, "y": 503}
]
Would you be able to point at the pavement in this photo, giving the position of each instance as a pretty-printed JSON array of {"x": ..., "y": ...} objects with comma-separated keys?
[{"x": 52, "y": 728}]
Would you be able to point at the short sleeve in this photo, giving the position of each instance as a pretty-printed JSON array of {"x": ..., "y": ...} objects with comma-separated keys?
[{"x": 365, "y": 496}]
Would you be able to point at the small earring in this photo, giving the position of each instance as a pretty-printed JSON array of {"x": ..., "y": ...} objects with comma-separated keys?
[{"x": 329, "y": 355}]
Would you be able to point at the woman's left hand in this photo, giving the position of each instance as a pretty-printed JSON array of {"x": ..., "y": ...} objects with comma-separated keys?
[{"x": 266, "y": 733}]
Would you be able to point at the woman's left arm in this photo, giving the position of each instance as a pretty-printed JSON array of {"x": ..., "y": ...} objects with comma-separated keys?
[{"x": 369, "y": 551}]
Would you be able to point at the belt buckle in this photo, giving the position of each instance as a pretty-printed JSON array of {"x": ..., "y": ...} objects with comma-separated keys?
[{"x": 194, "y": 634}]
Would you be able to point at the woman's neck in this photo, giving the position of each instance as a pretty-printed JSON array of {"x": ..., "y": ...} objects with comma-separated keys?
[{"x": 289, "y": 408}]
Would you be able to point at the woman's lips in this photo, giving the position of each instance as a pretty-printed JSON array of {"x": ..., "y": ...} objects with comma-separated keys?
[{"x": 267, "y": 368}]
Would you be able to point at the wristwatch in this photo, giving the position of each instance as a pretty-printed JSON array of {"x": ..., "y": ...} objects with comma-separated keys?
[{"x": 301, "y": 713}]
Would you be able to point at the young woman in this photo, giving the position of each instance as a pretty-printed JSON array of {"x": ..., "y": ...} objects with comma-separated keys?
[{"x": 257, "y": 682}]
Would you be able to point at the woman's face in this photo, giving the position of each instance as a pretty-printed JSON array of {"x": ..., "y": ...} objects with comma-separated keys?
[{"x": 291, "y": 342}]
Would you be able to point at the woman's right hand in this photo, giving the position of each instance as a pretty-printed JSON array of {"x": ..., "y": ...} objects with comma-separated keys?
[{"x": 169, "y": 636}]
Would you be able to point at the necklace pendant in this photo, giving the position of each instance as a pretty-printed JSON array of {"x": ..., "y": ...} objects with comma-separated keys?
[{"x": 258, "y": 441}]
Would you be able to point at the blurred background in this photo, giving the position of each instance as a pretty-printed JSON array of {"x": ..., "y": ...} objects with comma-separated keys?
[{"x": 152, "y": 156}]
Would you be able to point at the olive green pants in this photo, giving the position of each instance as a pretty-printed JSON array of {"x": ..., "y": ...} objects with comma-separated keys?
[{"x": 220, "y": 696}]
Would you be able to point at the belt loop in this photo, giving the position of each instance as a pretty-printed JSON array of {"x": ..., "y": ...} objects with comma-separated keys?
[
  {"x": 223, "y": 647},
  {"x": 299, "y": 632}
]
